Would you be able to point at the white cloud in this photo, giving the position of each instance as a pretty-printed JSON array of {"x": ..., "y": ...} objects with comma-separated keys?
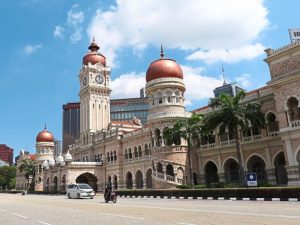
[
  {"x": 30, "y": 49},
  {"x": 245, "y": 81},
  {"x": 198, "y": 87},
  {"x": 58, "y": 32},
  {"x": 128, "y": 85},
  {"x": 191, "y": 25},
  {"x": 76, "y": 36},
  {"x": 75, "y": 17},
  {"x": 229, "y": 56}
]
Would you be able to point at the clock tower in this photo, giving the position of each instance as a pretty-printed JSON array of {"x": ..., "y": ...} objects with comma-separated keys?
[{"x": 94, "y": 93}]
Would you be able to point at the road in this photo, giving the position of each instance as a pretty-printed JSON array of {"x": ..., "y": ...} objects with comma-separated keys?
[{"x": 16, "y": 209}]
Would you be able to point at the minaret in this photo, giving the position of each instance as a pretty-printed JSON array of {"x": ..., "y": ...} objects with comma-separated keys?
[
  {"x": 165, "y": 89},
  {"x": 44, "y": 153},
  {"x": 94, "y": 93}
]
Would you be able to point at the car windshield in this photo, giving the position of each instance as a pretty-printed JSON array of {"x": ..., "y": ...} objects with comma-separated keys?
[{"x": 84, "y": 186}]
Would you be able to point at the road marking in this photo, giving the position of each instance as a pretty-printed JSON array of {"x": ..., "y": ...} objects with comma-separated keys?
[
  {"x": 44, "y": 222},
  {"x": 186, "y": 223},
  {"x": 74, "y": 210},
  {"x": 25, "y": 217},
  {"x": 216, "y": 211},
  {"x": 2, "y": 210},
  {"x": 131, "y": 217}
]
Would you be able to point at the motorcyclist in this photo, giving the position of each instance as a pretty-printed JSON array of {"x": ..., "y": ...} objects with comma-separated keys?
[{"x": 108, "y": 188}]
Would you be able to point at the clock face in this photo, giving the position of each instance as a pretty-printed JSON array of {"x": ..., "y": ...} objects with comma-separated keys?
[
  {"x": 99, "y": 79},
  {"x": 84, "y": 81}
]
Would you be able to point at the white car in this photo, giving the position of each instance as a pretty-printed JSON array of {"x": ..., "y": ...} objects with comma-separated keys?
[{"x": 80, "y": 191}]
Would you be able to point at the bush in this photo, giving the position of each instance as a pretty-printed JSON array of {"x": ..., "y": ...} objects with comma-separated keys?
[
  {"x": 200, "y": 186},
  {"x": 183, "y": 186},
  {"x": 233, "y": 185},
  {"x": 217, "y": 185}
]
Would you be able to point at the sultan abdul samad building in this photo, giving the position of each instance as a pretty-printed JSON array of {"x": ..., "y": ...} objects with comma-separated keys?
[{"x": 136, "y": 156}]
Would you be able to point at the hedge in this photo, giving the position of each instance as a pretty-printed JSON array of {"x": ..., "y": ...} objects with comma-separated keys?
[{"x": 278, "y": 192}]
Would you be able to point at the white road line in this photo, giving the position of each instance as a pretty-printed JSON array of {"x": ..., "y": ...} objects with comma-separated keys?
[
  {"x": 44, "y": 222},
  {"x": 74, "y": 210},
  {"x": 2, "y": 210},
  {"x": 216, "y": 211},
  {"x": 25, "y": 217},
  {"x": 132, "y": 217},
  {"x": 186, "y": 223}
]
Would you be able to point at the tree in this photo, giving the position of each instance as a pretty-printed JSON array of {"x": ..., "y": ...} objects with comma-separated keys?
[
  {"x": 186, "y": 129},
  {"x": 27, "y": 167},
  {"x": 7, "y": 174},
  {"x": 232, "y": 114}
]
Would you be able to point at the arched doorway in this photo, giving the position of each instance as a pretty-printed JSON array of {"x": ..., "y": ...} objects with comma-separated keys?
[
  {"x": 257, "y": 165},
  {"x": 195, "y": 178},
  {"x": 170, "y": 170},
  {"x": 115, "y": 182},
  {"x": 139, "y": 179},
  {"x": 89, "y": 179},
  {"x": 63, "y": 183},
  {"x": 280, "y": 170},
  {"x": 54, "y": 184},
  {"x": 149, "y": 178},
  {"x": 211, "y": 173},
  {"x": 231, "y": 169},
  {"x": 129, "y": 183}
]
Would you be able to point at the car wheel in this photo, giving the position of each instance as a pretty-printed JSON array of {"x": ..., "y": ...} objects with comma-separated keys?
[
  {"x": 69, "y": 196},
  {"x": 92, "y": 197},
  {"x": 78, "y": 196}
]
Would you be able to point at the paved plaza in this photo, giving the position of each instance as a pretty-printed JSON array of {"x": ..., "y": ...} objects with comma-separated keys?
[{"x": 59, "y": 210}]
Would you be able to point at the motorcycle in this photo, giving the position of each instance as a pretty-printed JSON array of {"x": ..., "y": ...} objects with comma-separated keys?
[{"x": 110, "y": 197}]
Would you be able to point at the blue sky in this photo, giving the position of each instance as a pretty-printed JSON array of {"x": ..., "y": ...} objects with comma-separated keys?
[{"x": 43, "y": 42}]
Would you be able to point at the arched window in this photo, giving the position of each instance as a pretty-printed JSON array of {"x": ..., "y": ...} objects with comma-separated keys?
[
  {"x": 293, "y": 109},
  {"x": 272, "y": 123},
  {"x": 140, "y": 153}
]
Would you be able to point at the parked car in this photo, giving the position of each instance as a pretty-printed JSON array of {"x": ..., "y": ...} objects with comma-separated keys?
[{"x": 80, "y": 191}]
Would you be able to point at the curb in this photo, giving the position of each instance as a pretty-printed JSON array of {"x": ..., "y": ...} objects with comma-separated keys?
[{"x": 215, "y": 198}]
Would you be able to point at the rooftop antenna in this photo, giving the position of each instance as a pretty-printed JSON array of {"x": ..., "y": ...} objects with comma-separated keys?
[{"x": 223, "y": 74}]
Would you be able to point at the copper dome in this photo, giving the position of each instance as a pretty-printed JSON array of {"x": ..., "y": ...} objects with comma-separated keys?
[
  {"x": 45, "y": 136},
  {"x": 94, "y": 56},
  {"x": 163, "y": 68}
]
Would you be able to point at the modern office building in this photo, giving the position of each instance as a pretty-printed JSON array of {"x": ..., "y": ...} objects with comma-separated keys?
[
  {"x": 71, "y": 124},
  {"x": 127, "y": 109},
  {"x": 57, "y": 147},
  {"x": 6, "y": 154}
]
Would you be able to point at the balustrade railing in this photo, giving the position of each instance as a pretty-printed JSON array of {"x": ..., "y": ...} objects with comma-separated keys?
[{"x": 295, "y": 123}]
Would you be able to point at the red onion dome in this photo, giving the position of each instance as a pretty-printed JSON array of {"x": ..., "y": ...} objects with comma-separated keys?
[
  {"x": 163, "y": 68},
  {"x": 45, "y": 136},
  {"x": 94, "y": 56}
]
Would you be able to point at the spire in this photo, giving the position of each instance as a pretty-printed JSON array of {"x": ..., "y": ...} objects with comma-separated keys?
[
  {"x": 45, "y": 127},
  {"x": 93, "y": 46},
  {"x": 161, "y": 51},
  {"x": 224, "y": 81}
]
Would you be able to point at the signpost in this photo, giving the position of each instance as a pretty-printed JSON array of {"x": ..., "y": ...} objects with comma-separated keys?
[
  {"x": 294, "y": 34},
  {"x": 251, "y": 179}
]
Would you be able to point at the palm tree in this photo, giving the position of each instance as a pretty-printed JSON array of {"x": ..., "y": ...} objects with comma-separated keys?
[
  {"x": 186, "y": 129},
  {"x": 28, "y": 168},
  {"x": 229, "y": 112}
]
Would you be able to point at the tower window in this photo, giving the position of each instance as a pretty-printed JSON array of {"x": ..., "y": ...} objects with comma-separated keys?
[{"x": 159, "y": 100}]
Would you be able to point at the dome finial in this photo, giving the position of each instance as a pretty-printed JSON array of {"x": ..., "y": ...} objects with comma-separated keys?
[
  {"x": 161, "y": 51},
  {"x": 45, "y": 127},
  {"x": 93, "y": 38}
]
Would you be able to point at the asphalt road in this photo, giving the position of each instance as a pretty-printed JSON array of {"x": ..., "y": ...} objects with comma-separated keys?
[{"x": 16, "y": 209}]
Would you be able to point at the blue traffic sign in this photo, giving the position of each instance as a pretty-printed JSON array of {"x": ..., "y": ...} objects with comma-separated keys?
[{"x": 251, "y": 179}]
